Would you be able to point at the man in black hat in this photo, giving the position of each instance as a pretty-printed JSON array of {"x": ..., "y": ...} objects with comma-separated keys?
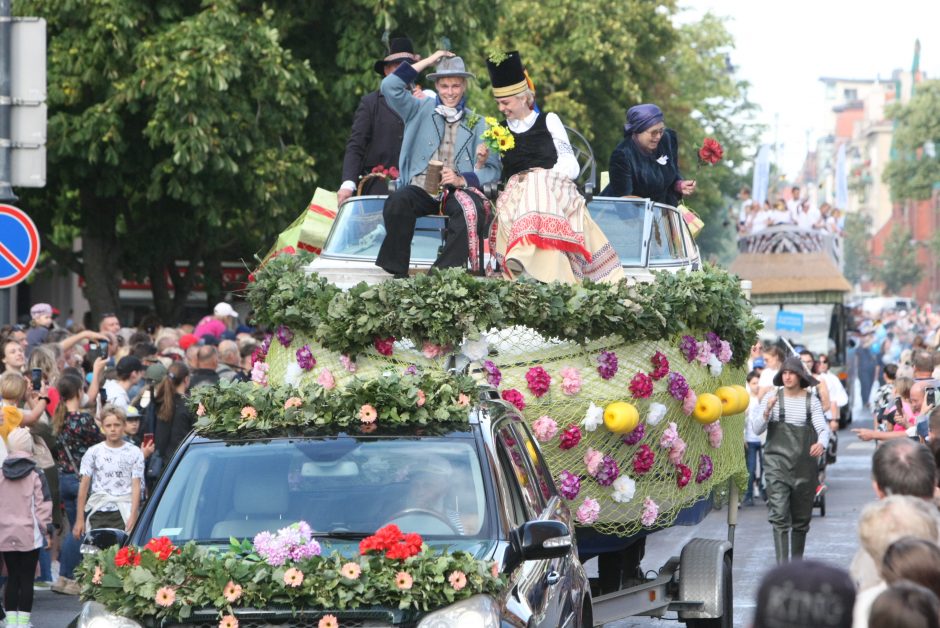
[
  {"x": 375, "y": 139},
  {"x": 797, "y": 435}
]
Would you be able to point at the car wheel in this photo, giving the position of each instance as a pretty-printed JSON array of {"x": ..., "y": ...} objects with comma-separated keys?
[{"x": 727, "y": 598}]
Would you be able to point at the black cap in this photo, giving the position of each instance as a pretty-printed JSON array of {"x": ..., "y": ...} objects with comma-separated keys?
[
  {"x": 507, "y": 74},
  {"x": 128, "y": 364}
]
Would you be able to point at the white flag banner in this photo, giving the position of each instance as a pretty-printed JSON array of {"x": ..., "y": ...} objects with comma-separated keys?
[
  {"x": 842, "y": 180},
  {"x": 761, "y": 175}
]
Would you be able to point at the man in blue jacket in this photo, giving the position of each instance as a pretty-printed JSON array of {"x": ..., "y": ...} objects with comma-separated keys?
[{"x": 444, "y": 130}]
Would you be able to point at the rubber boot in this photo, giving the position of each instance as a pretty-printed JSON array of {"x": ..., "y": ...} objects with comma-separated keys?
[
  {"x": 798, "y": 543},
  {"x": 782, "y": 546}
]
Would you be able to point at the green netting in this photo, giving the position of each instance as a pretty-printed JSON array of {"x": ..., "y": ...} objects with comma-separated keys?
[{"x": 517, "y": 350}]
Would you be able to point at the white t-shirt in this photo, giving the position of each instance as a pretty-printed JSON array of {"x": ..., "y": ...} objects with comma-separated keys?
[
  {"x": 117, "y": 396},
  {"x": 807, "y": 219},
  {"x": 112, "y": 469},
  {"x": 767, "y": 378}
]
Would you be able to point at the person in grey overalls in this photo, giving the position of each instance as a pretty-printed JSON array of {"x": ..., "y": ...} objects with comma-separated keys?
[{"x": 797, "y": 435}]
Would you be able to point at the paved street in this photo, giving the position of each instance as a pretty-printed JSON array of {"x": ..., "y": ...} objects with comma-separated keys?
[{"x": 832, "y": 538}]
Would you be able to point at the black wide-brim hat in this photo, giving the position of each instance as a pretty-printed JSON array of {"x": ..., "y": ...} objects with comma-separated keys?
[
  {"x": 795, "y": 365},
  {"x": 507, "y": 74},
  {"x": 399, "y": 49}
]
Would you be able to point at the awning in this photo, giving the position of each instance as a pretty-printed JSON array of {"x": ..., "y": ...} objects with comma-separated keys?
[{"x": 791, "y": 277}]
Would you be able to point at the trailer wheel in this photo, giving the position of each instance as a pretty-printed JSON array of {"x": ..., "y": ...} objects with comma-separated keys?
[{"x": 727, "y": 617}]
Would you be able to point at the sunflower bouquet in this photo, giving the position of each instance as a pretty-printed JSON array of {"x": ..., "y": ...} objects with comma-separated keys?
[{"x": 497, "y": 137}]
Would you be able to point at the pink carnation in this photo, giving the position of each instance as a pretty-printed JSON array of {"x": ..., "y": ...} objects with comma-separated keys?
[
  {"x": 325, "y": 379},
  {"x": 660, "y": 365},
  {"x": 670, "y": 434},
  {"x": 514, "y": 397},
  {"x": 570, "y": 437},
  {"x": 431, "y": 350},
  {"x": 539, "y": 380},
  {"x": 545, "y": 428},
  {"x": 650, "y": 512},
  {"x": 641, "y": 386},
  {"x": 643, "y": 460},
  {"x": 589, "y": 511},
  {"x": 348, "y": 363},
  {"x": 677, "y": 450},
  {"x": 570, "y": 380},
  {"x": 724, "y": 354},
  {"x": 690, "y": 400},
  {"x": 714, "y": 433},
  {"x": 384, "y": 346},
  {"x": 704, "y": 353},
  {"x": 592, "y": 459}
]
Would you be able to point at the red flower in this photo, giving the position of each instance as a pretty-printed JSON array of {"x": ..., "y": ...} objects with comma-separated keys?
[
  {"x": 711, "y": 151},
  {"x": 384, "y": 346},
  {"x": 380, "y": 169},
  {"x": 641, "y": 386},
  {"x": 397, "y": 546},
  {"x": 161, "y": 546},
  {"x": 393, "y": 172},
  {"x": 660, "y": 366},
  {"x": 126, "y": 557}
]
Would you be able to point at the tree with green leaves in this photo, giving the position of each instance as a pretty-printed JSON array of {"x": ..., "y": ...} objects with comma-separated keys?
[
  {"x": 899, "y": 267},
  {"x": 914, "y": 170},
  {"x": 857, "y": 264}
]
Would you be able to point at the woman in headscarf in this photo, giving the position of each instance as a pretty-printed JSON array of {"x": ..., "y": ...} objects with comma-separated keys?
[
  {"x": 542, "y": 227},
  {"x": 646, "y": 162}
]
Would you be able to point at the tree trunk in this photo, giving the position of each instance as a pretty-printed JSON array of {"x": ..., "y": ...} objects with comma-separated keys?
[
  {"x": 212, "y": 278},
  {"x": 162, "y": 302},
  {"x": 101, "y": 254}
]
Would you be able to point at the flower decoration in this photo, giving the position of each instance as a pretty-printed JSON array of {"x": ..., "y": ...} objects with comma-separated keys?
[
  {"x": 714, "y": 365},
  {"x": 677, "y": 451},
  {"x": 161, "y": 546},
  {"x": 593, "y": 417},
  {"x": 463, "y": 400},
  {"x": 295, "y": 542},
  {"x": 641, "y": 386},
  {"x": 284, "y": 335},
  {"x": 200, "y": 410},
  {"x": 403, "y": 580},
  {"x": 570, "y": 380},
  {"x": 607, "y": 364},
  {"x": 328, "y": 621},
  {"x": 705, "y": 469},
  {"x": 688, "y": 346},
  {"x": 539, "y": 380},
  {"x": 293, "y": 577},
  {"x": 475, "y": 350},
  {"x": 624, "y": 489},
  {"x": 326, "y": 379},
  {"x": 457, "y": 580},
  {"x": 669, "y": 437},
  {"x": 397, "y": 546},
  {"x": 127, "y": 557},
  {"x": 656, "y": 414},
  {"x": 725, "y": 352},
  {"x": 384, "y": 346},
  {"x": 677, "y": 386},
  {"x": 387, "y": 173},
  {"x": 588, "y": 511},
  {"x": 714, "y": 342},
  {"x": 305, "y": 359},
  {"x": 607, "y": 471},
  {"x": 259, "y": 373},
  {"x": 368, "y": 414},
  {"x": 348, "y": 363},
  {"x": 493, "y": 374},
  {"x": 497, "y": 137},
  {"x": 711, "y": 151},
  {"x": 714, "y": 432},
  {"x": 514, "y": 397},
  {"x": 650, "y": 512},
  {"x": 643, "y": 460},
  {"x": 545, "y": 428},
  {"x": 569, "y": 485},
  {"x": 570, "y": 437},
  {"x": 688, "y": 404},
  {"x": 704, "y": 353},
  {"x": 683, "y": 475},
  {"x": 660, "y": 366},
  {"x": 232, "y": 592},
  {"x": 293, "y": 402},
  {"x": 165, "y": 596},
  {"x": 431, "y": 350},
  {"x": 96, "y": 579},
  {"x": 421, "y": 398},
  {"x": 635, "y": 436},
  {"x": 228, "y": 621},
  {"x": 350, "y": 571},
  {"x": 592, "y": 460},
  {"x": 248, "y": 412}
]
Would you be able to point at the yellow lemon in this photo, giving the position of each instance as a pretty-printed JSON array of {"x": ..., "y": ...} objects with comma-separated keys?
[
  {"x": 621, "y": 417},
  {"x": 707, "y": 408},
  {"x": 744, "y": 397},
  {"x": 730, "y": 401}
]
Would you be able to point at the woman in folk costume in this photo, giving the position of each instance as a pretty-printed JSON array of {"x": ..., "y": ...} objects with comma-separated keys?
[{"x": 542, "y": 228}]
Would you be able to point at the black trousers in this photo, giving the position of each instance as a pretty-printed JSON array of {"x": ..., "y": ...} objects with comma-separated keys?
[
  {"x": 21, "y": 570},
  {"x": 402, "y": 210}
]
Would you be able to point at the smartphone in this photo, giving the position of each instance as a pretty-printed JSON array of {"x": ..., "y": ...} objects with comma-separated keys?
[
  {"x": 930, "y": 396},
  {"x": 92, "y": 352},
  {"x": 148, "y": 439},
  {"x": 103, "y": 348},
  {"x": 104, "y": 395},
  {"x": 36, "y": 378}
]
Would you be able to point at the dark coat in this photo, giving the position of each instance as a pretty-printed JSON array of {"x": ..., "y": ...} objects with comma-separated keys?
[
  {"x": 169, "y": 434},
  {"x": 375, "y": 139},
  {"x": 635, "y": 173}
]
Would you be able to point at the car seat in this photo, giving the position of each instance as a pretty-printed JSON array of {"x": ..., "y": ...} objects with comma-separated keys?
[{"x": 260, "y": 502}]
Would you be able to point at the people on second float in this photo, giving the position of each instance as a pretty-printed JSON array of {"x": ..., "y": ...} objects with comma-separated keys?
[{"x": 543, "y": 229}]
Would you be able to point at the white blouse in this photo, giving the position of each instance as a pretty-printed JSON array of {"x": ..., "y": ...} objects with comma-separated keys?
[{"x": 567, "y": 164}]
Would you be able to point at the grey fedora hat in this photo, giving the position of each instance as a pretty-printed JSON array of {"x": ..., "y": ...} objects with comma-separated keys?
[{"x": 450, "y": 67}]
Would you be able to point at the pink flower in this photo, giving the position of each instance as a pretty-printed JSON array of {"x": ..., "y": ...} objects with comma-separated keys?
[
  {"x": 457, "y": 579},
  {"x": 670, "y": 434},
  {"x": 293, "y": 402},
  {"x": 592, "y": 459},
  {"x": 348, "y": 364},
  {"x": 643, "y": 460},
  {"x": 165, "y": 596},
  {"x": 325, "y": 379},
  {"x": 545, "y": 428},
  {"x": 589, "y": 511},
  {"x": 677, "y": 450},
  {"x": 403, "y": 580},
  {"x": 494, "y": 570},
  {"x": 660, "y": 365},
  {"x": 232, "y": 591},
  {"x": 463, "y": 400},
  {"x": 421, "y": 398},
  {"x": 229, "y": 621},
  {"x": 570, "y": 380},
  {"x": 259, "y": 373},
  {"x": 367, "y": 414},
  {"x": 683, "y": 475},
  {"x": 431, "y": 350},
  {"x": 704, "y": 353},
  {"x": 688, "y": 405},
  {"x": 641, "y": 386},
  {"x": 384, "y": 346},
  {"x": 328, "y": 621},
  {"x": 514, "y": 397},
  {"x": 293, "y": 577},
  {"x": 724, "y": 354},
  {"x": 249, "y": 412},
  {"x": 351, "y": 571},
  {"x": 200, "y": 410},
  {"x": 714, "y": 433},
  {"x": 650, "y": 512},
  {"x": 570, "y": 437},
  {"x": 96, "y": 579},
  {"x": 539, "y": 380}
]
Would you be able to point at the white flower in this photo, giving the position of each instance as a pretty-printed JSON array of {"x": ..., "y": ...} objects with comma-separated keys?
[
  {"x": 624, "y": 489},
  {"x": 593, "y": 417},
  {"x": 657, "y": 412},
  {"x": 662, "y": 161},
  {"x": 475, "y": 349},
  {"x": 714, "y": 365},
  {"x": 292, "y": 374}
]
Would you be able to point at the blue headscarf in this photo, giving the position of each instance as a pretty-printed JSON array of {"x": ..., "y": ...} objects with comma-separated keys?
[{"x": 642, "y": 117}]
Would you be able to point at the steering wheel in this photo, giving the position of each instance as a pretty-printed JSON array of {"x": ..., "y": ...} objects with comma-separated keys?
[{"x": 426, "y": 512}]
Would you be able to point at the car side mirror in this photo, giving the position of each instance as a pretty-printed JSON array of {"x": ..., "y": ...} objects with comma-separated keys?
[
  {"x": 538, "y": 540},
  {"x": 101, "y": 539}
]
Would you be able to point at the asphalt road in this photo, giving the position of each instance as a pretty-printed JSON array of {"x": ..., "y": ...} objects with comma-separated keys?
[{"x": 832, "y": 539}]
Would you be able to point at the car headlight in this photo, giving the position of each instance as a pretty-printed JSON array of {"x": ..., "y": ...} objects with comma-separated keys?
[
  {"x": 479, "y": 611},
  {"x": 94, "y": 615}
]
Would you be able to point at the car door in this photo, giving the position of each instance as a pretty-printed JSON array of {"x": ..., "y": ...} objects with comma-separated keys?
[{"x": 537, "y": 584}]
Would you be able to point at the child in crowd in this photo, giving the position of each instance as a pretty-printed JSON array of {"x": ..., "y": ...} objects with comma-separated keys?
[
  {"x": 25, "y": 524},
  {"x": 884, "y": 398},
  {"x": 752, "y": 442},
  {"x": 111, "y": 474},
  {"x": 902, "y": 387},
  {"x": 12, "y": 390}
]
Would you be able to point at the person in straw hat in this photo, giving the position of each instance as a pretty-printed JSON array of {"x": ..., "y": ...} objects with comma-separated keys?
[
  {"x": 797, "y": 435},
  {"x": 444, "y": 131},
  {"x": 543, "y": 228}
]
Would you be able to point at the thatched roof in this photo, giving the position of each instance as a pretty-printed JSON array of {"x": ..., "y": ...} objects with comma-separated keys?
[{"x": 781, "y": 273}]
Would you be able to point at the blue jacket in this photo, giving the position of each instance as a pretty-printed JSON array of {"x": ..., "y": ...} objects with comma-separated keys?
[{"x": 424, "y": 127}]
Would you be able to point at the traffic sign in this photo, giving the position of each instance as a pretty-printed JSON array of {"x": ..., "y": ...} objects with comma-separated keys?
[{"x": 19, "y": 245}]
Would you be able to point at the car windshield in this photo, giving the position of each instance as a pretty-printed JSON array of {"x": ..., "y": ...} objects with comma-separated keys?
[
  {"x": 359, "y": 231},
  {"x": 623, "y": 222},
  {"x": 345, "y": 486}
]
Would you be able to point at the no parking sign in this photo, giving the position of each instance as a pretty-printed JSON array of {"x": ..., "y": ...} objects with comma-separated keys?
[{"x": 19, "y": 246}]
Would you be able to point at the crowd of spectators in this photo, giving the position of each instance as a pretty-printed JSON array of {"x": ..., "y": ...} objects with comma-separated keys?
[{"x": 754, "y": 217}]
